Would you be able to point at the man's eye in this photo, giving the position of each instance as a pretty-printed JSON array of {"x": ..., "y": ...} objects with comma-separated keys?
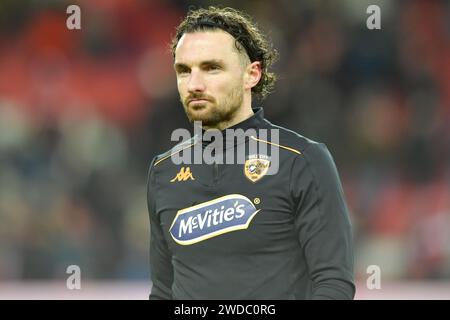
[
  {"x": 213, "y": 67},
  {"x": 183, "y": 71}
]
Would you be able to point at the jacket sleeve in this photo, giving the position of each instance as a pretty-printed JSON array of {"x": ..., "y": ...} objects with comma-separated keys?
[
  {"x": 323, "y": 224},
  {"x": 161, "y": 270}
]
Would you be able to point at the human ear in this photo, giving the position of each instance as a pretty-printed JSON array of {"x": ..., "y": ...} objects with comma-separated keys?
[{"x": 253, "y": 73}]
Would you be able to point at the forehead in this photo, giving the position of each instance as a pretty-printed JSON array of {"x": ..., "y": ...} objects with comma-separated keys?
[{"x": 205, "y": 45}]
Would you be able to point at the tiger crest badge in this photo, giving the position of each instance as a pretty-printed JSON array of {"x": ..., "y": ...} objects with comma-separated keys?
[{"x": 256, "y": 167}]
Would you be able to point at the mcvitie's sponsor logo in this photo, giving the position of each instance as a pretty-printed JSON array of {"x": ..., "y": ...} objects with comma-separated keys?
[{"x": 212, "y": 218}]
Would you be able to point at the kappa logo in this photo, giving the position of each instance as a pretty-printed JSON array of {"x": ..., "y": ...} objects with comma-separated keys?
[
  {"x": 183, "y": 175},
  {"x": 212, "y": 218}
]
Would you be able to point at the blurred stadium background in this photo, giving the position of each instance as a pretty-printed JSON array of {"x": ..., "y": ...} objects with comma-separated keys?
[{"x": 82, "y": 112}]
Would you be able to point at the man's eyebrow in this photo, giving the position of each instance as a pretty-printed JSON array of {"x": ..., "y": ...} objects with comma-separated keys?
[
  {"x": 212, "y": 61},
  {"x": 179, "y": 65},
  {"x": 206, "y": 62}
]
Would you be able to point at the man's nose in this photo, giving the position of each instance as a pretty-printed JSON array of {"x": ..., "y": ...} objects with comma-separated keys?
[{"x": 196, "y": 82}]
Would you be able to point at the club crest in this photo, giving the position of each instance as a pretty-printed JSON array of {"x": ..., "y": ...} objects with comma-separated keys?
[{"x": 256, "y": 167}]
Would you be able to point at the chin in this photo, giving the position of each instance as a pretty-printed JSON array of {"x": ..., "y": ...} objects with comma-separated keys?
[
  {"x": 200, "y": 114},
  {"x": 206, "y": 120}
]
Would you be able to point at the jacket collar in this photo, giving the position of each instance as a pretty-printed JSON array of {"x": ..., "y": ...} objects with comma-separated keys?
[{"x": 254, "y": 122}]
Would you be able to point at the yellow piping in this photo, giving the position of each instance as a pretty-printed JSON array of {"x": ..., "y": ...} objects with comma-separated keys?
[{"x": 287, "y": 148}]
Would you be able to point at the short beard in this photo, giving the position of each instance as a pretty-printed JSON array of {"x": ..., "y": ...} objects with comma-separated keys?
[{"x": 218, "y": 114}]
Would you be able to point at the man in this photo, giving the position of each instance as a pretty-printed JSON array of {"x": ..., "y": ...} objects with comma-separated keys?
[{"x": 232, "y": 231}]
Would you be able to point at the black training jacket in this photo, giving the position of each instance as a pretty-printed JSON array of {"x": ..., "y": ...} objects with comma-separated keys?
[{"x": 234, "y": 231}]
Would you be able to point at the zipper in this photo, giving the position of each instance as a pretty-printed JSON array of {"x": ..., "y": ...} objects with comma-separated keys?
[
  {"x": 215, "y": 168},
  {"x": 216, "y": 172}
]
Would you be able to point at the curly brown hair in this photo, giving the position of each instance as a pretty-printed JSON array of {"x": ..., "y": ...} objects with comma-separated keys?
[{"x": 247, "y": 36}]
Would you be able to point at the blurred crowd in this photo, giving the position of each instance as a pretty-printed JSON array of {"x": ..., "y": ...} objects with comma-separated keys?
[{"x": 82, "y": 112}]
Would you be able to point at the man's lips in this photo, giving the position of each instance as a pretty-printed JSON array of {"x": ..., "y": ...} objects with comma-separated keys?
[{"x": 197, "y": 100}]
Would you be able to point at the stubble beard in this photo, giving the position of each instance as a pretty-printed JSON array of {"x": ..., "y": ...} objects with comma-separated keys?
[{"x": 215, "y": 114}]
